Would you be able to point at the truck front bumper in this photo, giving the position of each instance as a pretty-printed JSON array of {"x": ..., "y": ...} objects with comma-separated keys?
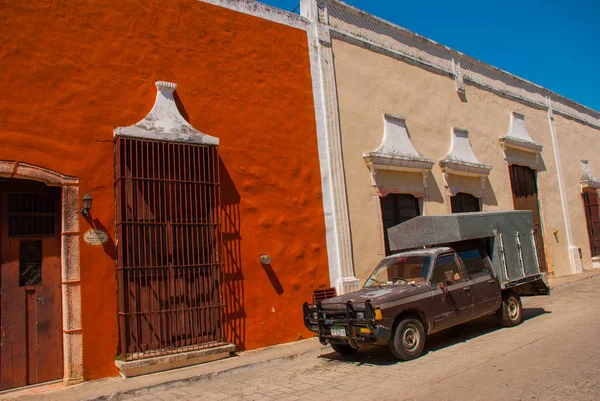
[{"x": 352, "y": 324}]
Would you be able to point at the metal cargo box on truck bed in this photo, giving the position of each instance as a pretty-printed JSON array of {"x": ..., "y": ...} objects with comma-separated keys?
[{"x": 514, "y": 251}]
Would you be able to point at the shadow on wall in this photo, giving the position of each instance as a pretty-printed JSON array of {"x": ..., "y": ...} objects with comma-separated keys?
[
  {"x": 489, "y": 194},
  {"x": 434, "y": 190},
  {"x": 109, "y": 246},
  {"x": 233, "y": 289}
]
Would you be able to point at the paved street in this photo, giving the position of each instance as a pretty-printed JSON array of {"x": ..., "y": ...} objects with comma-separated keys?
[{"x": 553, "y": 355}]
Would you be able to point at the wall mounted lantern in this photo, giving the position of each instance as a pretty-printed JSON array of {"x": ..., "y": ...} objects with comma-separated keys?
[{"x": 87, "y": 205}]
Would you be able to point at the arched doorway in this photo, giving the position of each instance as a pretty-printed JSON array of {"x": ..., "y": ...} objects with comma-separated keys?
[
  {"x": 40, "y": 305},
  {"x": 30, "y": 305}
]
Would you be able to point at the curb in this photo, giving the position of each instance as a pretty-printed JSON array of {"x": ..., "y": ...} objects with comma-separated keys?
[
  {"x": 146, "y": 390},
  {"x": 576, "y": 279}
]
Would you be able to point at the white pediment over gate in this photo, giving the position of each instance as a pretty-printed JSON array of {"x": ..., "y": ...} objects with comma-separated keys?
[
  {"x": 518, "y": 137},
  {"x": 588, "y": 180},
  {"x": 164, "y": 122},
  {"x": 462, "y": 161},
  {"x": 518, "y": 146},
  {"x": 397, "y": 153}
]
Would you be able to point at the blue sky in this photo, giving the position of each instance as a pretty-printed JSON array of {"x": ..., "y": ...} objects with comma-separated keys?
[{"x": 553, "y": 43}]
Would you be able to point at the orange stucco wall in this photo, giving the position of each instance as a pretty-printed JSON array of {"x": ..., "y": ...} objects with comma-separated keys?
[{"x": 73, "y": 70}]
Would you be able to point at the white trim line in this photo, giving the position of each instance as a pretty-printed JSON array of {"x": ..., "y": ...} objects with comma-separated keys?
[
  {"x": 573, "y": 250},
  {"x": 333, "y": 185},
  {"x": 264, "y": 11}
]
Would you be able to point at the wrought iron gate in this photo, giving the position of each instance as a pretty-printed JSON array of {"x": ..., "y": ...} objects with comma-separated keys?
[{"x": 169, "y": 264}]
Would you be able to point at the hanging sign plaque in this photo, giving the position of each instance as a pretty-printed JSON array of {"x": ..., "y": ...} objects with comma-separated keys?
[{"x": 95, "y": 237}]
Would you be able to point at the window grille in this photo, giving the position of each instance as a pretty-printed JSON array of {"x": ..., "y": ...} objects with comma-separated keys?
[
  {"x": 169, "y": 264},
  {"x": 396, "y": 209},
  {"x": 31, "y": 214}
]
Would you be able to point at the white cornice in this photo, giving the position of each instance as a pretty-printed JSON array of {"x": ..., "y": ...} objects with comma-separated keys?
[
  {"x": 354, "y": 25},
  {"x": 260, "y": 10},
  {"x": 164, "y": 122}
]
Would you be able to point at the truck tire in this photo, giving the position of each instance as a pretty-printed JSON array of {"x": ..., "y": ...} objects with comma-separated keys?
[
  {"x": 344, "y": 349},
  {"x": 408, "y": 339},
  {"x": 511, "y": 311}
]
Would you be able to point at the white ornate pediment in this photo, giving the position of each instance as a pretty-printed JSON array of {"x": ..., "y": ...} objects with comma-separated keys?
[
  {"x": 588, "y": 180},
  {"x": 164, "y": 122},
  {"x": 461, "y": 159},
  {"x": 518, "y": 137},
  {"x": 397, "y": 153}
]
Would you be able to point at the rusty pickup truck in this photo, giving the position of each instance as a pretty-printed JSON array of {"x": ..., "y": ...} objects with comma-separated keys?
[{"x": 457, "y": 268}]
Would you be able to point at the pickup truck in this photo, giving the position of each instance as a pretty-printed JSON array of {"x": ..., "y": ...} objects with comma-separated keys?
[{"x": 417, "y": 292}]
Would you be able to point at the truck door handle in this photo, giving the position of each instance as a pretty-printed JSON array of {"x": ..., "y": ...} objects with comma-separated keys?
[
  {"x": 467, "y": 288},
  {"x": 492, "y": 281}
]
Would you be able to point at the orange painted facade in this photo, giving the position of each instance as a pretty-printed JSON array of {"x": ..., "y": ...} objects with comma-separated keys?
[{"x": 74, "y": 70}]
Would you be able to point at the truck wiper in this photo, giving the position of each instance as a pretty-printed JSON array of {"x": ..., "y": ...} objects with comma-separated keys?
[{"x": 377, "y": 281}]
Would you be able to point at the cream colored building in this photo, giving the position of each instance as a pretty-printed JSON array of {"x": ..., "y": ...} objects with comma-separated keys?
[{"x": 408, "y": 126}]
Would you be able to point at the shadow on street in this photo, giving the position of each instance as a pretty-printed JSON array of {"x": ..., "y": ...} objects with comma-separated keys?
[{"x": 381, "y": 355}]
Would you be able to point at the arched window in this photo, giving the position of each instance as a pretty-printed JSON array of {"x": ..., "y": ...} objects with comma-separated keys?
[
  {"x": 463, "y": 203},
  {"x": 396, "y": 209}
]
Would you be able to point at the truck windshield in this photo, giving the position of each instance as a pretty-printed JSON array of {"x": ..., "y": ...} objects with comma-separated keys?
[{"x": 400, "y": 270}]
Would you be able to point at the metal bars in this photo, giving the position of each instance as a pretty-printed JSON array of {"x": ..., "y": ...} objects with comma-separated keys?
[
  {"x": 31, "y": 214},
  {"x": 169, "y": 267}
]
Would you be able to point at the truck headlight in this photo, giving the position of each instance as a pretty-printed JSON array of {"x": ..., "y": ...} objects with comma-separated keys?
[
  {"x": 315, "y": 315},
  {"x": 360, "y": 315}
]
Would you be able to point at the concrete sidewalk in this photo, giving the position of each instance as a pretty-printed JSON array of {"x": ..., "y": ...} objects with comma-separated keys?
[{"x": 117, "y": 388}]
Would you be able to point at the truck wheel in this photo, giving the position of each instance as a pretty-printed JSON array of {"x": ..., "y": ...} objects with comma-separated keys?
[
  {"x": 408, "y": 339},
  {"x": 511, "y": 311},
  {"x": 344, "y": 349}
]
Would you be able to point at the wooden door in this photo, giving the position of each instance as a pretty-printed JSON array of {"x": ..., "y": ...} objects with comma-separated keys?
[
  {"x": 525, "y": 197},
  {"x": 591, "y": 203},
  {"x": 30, "y": 301}
]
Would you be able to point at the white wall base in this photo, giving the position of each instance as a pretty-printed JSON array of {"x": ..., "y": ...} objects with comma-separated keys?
[
  {"x": 596, "y": 262},
  {"x": 576, "y": 265},
  {"x": 347, "y": 284}
]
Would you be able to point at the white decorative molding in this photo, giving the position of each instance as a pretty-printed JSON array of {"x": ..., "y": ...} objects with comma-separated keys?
[
  {"x": 333, "y": 182},
  {"x": 397, "y": 153},
  {"x": 458, "y": 77},
  {"x": 70, "y": 265},
  {"x": 588, "y": 180},
  {"x": 362, "y": 29},
  {"x": 518, "y": 137},
  {"x": 164, "y": 122}
]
